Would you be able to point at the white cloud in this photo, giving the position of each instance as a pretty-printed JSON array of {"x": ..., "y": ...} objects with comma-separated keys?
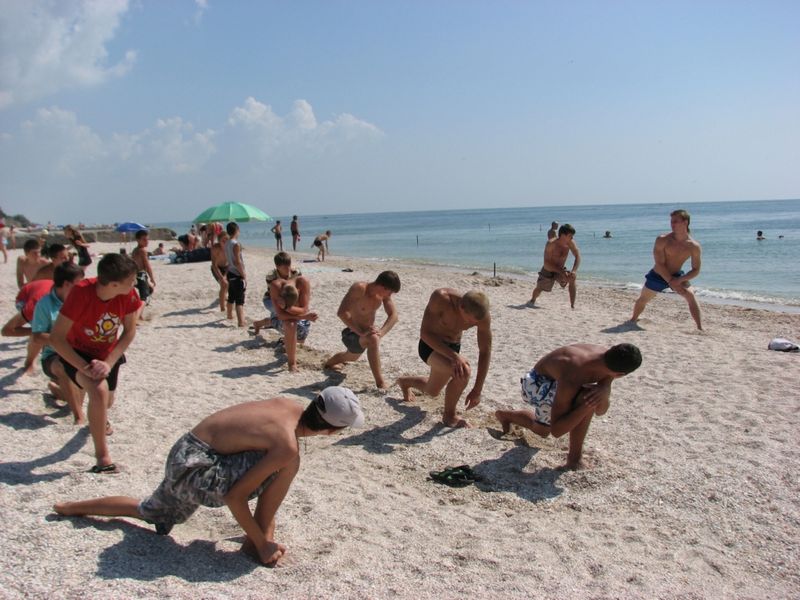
[
  {"x": 202, "y": 7},
  {"x": 299, "y": 131},
  {"x": 47, "y": 46},
  {"x": 55, "y": 167}
]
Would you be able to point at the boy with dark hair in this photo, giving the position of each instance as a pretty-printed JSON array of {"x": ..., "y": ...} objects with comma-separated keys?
[
  {"x": 241, "y": 452},
  {"x": 145, "y": 280},
  {"x": 556, "y": 252},
  {"x": 357, "y": 311},
  {"x": 566, "y": 388},
  {"x": 30, "y": 262},
  {"x": 65, "y": 276},
  {"x": 291, "y": 299},
  {"x": 321, "y": 244},
  {"x": 87, "y": 337},
  {"x": 58, "y": 254},
  {"x": 17, "y": 326},
  {"x": 237, "y": 278}
]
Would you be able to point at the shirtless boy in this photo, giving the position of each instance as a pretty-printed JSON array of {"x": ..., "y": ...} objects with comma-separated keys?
[
  {"x": 321, "y": 244},
  {"x": 219, "y": 267},
  {"x": 30, "y": 262},
  {"x": 17, "y": 325},
  {"x": 566, "y": 388},
  {"x": 556, "y": 252},
  {"x": 86, "y": 335},
  {"x": 245, "y": 451},
  {"x": 290, "y": 300},
  {"x": 58, "y": 254},
  {"x": 283, "y": 270},
  {"x": 357, "y": 312},
  {"x": 66, "y": 275},
  {"x": 446, "y": 317},
  {"x": 277, "y": 230},
  {"x": 145, "y": 280},
  {"x": 295, "y": 228},
  {"x": 670, "y": 251}
]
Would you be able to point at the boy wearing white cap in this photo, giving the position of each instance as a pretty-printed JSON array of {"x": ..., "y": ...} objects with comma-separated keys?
[{"x": 241, "y": 452}]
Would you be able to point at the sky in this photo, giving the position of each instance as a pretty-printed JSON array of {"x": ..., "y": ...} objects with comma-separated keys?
[{"x": 145, "y": 110}]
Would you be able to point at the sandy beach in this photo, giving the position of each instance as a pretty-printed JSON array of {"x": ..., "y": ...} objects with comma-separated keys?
[{"x": 691, "y": 489}]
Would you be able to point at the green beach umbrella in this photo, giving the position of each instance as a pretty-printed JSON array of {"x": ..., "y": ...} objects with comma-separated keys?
[{"x": 232, "y": 211}]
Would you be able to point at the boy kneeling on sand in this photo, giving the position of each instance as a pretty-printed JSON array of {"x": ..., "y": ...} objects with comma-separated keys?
[
  {"x": 566, "y": 388},
  {"x": 241, "y": 452},
  {"x": 86, "y": 335}
]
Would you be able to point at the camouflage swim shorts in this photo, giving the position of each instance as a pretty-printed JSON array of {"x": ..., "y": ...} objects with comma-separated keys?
[{"x": 196, "y": 475}]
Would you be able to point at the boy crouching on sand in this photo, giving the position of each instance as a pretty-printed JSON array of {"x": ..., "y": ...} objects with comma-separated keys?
[
  {"x": 65, "y": 276},
  {"x": 241, "y": 452},
  {"x": 85, "y": 336},
  {"x": 566, "y": 388}
]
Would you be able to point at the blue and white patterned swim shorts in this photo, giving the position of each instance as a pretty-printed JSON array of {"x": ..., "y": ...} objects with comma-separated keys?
[{"x": 539, "y": 391}]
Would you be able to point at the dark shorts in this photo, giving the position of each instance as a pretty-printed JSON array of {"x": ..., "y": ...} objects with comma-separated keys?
[
  {"x": 278, "y": 236},
  {"x": 654, "y": 281},
  {"x": 318, "y": 244},
  {"x": 214, "y": 273},
  {"x": 236, "y": 289},
  {"x": 47, "y": 365},
  {"x": 112, "y": 375},
  {"x": 143, "y": 285},
  {"x": 425, "y": 351},
  {"x": 547, "y": 279},
  {"x": 350, "y": 339}
]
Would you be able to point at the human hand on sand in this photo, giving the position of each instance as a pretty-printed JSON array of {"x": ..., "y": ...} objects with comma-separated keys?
[
  {"x": 98, "y": 369},
  {"x": 473, "y": 399}
]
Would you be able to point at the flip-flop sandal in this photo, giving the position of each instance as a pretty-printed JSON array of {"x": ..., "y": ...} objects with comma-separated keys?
[
  {"x": 454, "y": 476},
  {"x": 104, "y": 469}
]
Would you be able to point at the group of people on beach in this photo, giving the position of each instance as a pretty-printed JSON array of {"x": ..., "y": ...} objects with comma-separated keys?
[{"x": 251, "y": 450}]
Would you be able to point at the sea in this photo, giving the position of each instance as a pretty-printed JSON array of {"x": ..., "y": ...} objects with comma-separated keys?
[{"x": 736, "y": 268}]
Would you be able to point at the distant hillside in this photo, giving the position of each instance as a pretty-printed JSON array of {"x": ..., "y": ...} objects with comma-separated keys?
[{"x": 15, "y": 220}]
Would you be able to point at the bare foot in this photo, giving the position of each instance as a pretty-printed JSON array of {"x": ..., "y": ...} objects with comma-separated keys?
[
  {"x": 503, "y": 422},
  {"x": 55, "y": 390},
  {"x": 456, "y": 423},
  {"x": 338, "y": 367},
  {"x": 408, "y": 393},
  {"x": 27, "y": 369},
  {"x": 64, "y": 508},
  {"x": 381, "y": 384},
  {"x": 79, "y": 420},
  {"x": 572, "y": 465},
  {"x": 293, "y": 368}
]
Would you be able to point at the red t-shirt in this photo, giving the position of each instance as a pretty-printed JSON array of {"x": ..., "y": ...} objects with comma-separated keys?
[
  {"x": 95, "y": 323},
  {"x": 30, "y": 294}
]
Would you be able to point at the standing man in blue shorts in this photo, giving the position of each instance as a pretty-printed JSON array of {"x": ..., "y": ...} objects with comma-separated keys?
[{"x": 671, "y": 250}]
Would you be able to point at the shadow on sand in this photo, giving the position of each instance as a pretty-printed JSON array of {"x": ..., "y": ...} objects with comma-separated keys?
[
  {"x": 623, "y": 328},
  {"x": 21, "y": 472},
  {"x": 505, "y": 474},
  {"x": 145, "y": 556},
  {"x": 382, "y": 440}
]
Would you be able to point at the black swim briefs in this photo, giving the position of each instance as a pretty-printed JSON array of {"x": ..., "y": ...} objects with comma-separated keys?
[{"x": 425, "y": 351}]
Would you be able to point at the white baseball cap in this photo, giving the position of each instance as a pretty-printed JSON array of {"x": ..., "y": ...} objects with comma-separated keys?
[{"x": 339, "y": 407}]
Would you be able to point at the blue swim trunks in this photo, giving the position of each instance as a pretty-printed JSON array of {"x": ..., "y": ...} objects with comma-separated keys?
[
  {"x": 654, "y": 281},
  {"x": 540, "y": 392},
  {"x": 303, "y": 327}
]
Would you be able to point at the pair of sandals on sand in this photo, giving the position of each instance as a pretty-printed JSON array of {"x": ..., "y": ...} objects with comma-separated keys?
[{"x": 460, "y": 476}]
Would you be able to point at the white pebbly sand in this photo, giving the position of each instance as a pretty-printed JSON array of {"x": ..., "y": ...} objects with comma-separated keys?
[{"x": 691, "y": 489}]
